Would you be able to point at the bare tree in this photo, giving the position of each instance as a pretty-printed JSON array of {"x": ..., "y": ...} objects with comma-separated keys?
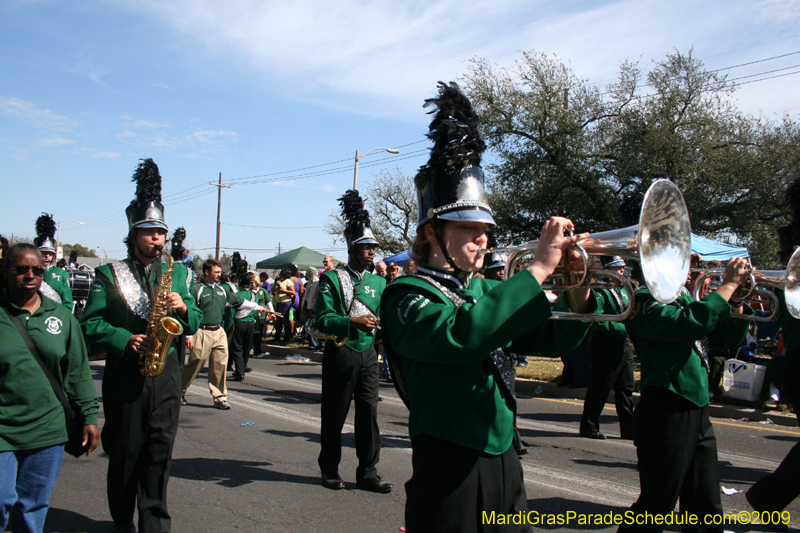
[{"x": 392, "y": 204}]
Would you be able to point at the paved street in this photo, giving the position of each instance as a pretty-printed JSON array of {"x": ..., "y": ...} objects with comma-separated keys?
[{"x": 264, "y": 477}]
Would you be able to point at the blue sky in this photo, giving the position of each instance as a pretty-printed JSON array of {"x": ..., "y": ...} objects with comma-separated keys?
[{"x": 267, "y": 90}]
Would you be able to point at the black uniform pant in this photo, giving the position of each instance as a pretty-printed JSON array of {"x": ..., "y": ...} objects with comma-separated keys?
[
  {"x": 612, "y": 368},
  {"x": 453, "y": 485},
  {"x": 241, "y": 344},
  {"x": 349, "y": 375},
  {"x": 141, "y": 420},
  {"x": 677, "y": 453},
  {"x": 258, "y": 335},
  {"x": 779, "y": 489}
]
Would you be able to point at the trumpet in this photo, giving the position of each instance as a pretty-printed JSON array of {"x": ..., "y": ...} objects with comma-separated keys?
[
  {"x": 786, "y": 280},
  {"x": 661, "y": 242}
]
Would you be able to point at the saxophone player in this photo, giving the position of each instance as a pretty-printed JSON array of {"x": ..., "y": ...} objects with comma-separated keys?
[{"x": 141, "y": 413}]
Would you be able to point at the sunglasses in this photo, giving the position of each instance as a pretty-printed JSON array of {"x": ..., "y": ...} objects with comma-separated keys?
[{"x": 20, "y": 270}]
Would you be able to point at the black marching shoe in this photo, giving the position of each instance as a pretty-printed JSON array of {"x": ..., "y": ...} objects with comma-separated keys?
[
  {"x": 593, "y": 435},
  {"x": 332, "y": 481},
  {"x": 375, "y": 484},
  {"x": 124, "y": 528},
  {"x": 779, "y": 526}
]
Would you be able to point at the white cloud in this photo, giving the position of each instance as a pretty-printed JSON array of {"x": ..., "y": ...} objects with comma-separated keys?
[
  {"x": 41, "y": 118},
  {"x": 162, "y": 86},
  {"x": 385, "y": 58},
  {"x": 55, "y": 141},
  {"x": 214, "y": 137},
  {"x": 150, "y": 124},
  {"x": 97, "y": 154}
]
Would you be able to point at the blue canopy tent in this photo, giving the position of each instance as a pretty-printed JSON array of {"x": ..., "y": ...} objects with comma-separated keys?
[{"x": 712, "y": 250}]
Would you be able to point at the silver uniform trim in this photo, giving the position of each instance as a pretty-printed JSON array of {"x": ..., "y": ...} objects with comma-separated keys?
[
  {"x": 242, "y": 312},
  {"x": 50, "y": 292},
  {"x": 354, "y": 307},
  {"x": 137, "y": 300}
]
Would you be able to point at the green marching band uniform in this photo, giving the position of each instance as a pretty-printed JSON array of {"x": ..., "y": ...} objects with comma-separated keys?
[
  {"x": 777, "y": 490},
  {"x": 56, "y": 286},
  {"x": 141, "y": 413},
  {"x": 675, "y": 442},
  {"x": 351, "y": 372},
  {"x": 447, "y": 338}
]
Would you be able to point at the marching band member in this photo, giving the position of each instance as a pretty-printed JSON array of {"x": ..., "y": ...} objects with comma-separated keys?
[
  {"x": 348, "y": 306},
  {"x": 446, "y": 336},
  {"x": 141, "y": 413},
  {"x": 56, "y": 280}
]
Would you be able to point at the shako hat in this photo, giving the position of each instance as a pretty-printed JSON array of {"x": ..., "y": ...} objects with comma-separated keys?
[
  {"x": 146, "y": 210},
  {"x": 494, "y": 259},
  {"x": 45, "y": 233},
  {"x": 356, "y": 220},
  {"x": 450, "y": 184}
]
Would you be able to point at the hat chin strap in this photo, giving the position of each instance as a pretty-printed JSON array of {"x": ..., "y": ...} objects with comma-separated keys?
[{"x": 443, "y": 248}]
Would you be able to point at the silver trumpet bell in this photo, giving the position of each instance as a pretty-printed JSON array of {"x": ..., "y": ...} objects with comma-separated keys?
[
  {"x": 787, "y": 280},
  {"x": 661, "y": 242}
]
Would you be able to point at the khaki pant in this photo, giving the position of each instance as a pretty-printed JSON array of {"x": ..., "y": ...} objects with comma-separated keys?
[{"x": 207, "y": 344}]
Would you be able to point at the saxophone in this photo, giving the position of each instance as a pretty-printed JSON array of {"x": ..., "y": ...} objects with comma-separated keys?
[{"x": 161, "y": 328}]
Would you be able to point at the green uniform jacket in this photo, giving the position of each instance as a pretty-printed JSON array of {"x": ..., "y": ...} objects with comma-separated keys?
[
  {"x": 611, "y": 306},
  {"x": 31, "y": 415},
  {"x": 790, "y": 326},
  {"x": 443, "y": 350},
  {"x": 664, "y": 337},
  {"x": 262, "y": 298},
  {"x": 331, "y": 315},
  {"x": 247, "y": 294},
  {"x": 108, "y": 322},
  {"x": 58, "y": 278},
  {"x": 213, "y": 300}
]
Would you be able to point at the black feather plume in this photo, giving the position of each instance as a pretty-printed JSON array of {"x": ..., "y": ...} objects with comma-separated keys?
[
  {"x": 45, "y": 227},
  {"x": 62, "y": 263},
  {"x": 177, "y": 243},
  {"x": 631, "y": 206},
  {"x": 148, "y": 183},
  {"x": 236, "y": 259},
  {"x": 454, "y": 130},
  {"x": 73, "y": 257},
  {"x": 353, "y": 211},
  {"x": 793, "y": 200}
]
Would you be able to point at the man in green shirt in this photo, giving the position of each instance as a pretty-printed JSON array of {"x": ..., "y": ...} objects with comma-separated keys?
[
  {"x": 210, "y": 340},
  {"x": 141, "y": 412},
  {"x": 348, "y": 306},
  {"x": 56, "y": 280}
]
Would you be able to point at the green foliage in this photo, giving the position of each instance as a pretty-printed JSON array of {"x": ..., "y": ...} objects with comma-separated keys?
[
  {"x": 83, "y": 251},
  {"x": 564, "y": 148}
]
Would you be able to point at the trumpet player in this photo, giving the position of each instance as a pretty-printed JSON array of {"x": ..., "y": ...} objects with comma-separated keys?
[
  {"x": 675, "y": 443},
  {"x": 447, "y": 336},
  {"x": 141, "y": 413}
]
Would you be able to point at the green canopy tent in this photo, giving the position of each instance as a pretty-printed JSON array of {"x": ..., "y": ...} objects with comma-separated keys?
[{"x": 303, "y": 257}]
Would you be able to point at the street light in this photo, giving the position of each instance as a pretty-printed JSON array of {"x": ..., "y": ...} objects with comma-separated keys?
[
  {"x": 355, "y": 175},
  {"x": 104, "y": 254},
  {"x": 58, "y": 235}
]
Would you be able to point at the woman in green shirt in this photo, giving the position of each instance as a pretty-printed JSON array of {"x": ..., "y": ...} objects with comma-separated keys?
[{"x": 32, "y": 421}]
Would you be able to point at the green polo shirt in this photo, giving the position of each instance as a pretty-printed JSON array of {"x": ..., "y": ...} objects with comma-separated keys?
[
  {"x": 442, "y": 351},
  {"x": 107, "y": 320},
  {"x": 331, "y": 315},
  {"x": 664, "y": 337},
  {"x": 58, "y": 278},
  {"x": 212, "y": 300},
  {"x": 31, "y": 415}
]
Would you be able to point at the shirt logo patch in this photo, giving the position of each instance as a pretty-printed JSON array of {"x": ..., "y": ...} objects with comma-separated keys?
[{"x": 53, "y": 325}]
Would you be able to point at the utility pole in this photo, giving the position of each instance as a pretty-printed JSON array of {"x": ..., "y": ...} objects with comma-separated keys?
[{"x": 219, "y": 206}]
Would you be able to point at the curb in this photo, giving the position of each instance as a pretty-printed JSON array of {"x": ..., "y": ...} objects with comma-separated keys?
[{"x": 533, "y": 388}]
